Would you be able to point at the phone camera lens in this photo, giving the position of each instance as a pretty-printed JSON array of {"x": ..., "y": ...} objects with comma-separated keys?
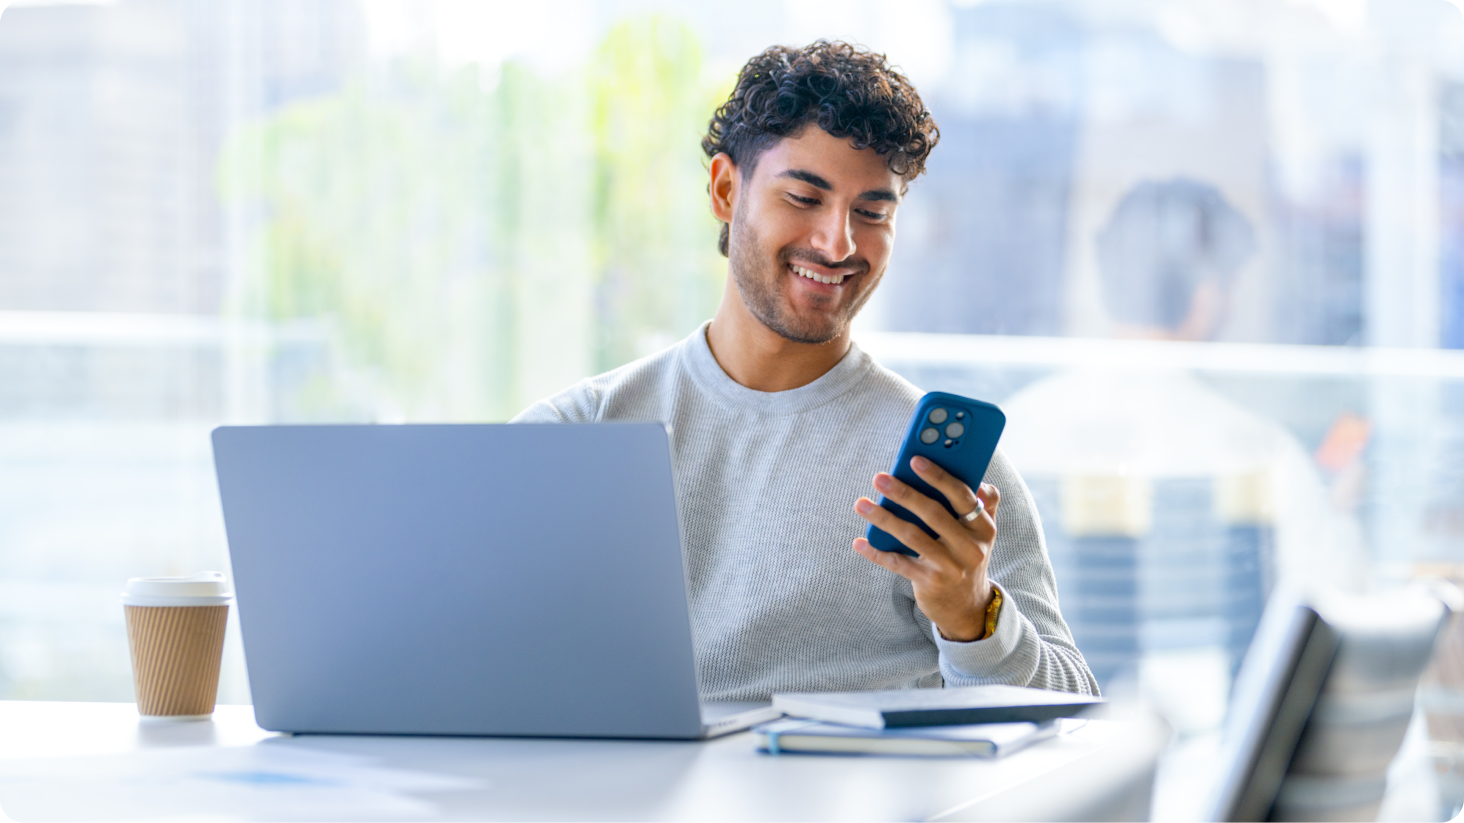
[
  {"x": 938, "y": 416},
  {"x": 955, "y": 430},
  {"x": 929, "y": 436}
]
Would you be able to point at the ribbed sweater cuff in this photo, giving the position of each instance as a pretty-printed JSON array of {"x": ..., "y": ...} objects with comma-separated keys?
[{"x": 982, "y": 659}]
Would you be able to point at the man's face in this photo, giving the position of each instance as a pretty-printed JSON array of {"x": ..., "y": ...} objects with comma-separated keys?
[{"x": 811, "y": 234}]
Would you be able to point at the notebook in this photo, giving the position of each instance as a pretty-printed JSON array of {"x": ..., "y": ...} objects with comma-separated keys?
[
  {"x": 934, "y": 707},
  {"x": 979, "y": 740}
]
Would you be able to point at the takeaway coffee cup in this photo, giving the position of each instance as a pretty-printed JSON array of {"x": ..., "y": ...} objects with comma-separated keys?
[{"x": 175, "y": 626}]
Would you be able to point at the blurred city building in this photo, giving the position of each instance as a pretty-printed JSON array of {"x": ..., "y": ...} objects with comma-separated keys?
[
  {"x": 107, "y": 148},
  {"x": 984, "y": 235},
  {"x": 117, "y": 349},
  {"x": 1451, "y": 211}
]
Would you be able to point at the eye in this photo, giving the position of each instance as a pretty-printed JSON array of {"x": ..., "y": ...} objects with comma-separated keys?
[
  {"x": 872, "y": 215},
  {"x": 805, "y": 201}
]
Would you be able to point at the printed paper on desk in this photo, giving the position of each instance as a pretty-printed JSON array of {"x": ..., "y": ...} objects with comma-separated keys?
[{"x": 269, "y": 781}]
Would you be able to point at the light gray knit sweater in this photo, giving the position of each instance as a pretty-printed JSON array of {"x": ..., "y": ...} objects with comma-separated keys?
[{"x": 766, "y": 484}]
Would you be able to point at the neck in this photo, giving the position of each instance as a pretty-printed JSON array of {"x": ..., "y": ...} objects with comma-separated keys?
[{"x": 761, "y": 359}]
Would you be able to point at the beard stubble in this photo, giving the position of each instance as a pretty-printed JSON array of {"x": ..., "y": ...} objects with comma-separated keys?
[{"x": 764, "y": 292}]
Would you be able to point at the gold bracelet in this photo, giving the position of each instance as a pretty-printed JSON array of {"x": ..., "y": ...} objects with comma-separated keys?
[{"x": 992, "y": 609}]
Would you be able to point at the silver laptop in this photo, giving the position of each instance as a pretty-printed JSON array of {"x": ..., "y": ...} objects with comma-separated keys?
[{"x": 521, "y": 580}]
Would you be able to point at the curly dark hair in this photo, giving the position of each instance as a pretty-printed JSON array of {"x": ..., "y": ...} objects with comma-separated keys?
[{"x": 849, "y": 91}]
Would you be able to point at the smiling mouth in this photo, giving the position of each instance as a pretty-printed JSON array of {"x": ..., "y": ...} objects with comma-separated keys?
[{"x": 830, "y": 279}]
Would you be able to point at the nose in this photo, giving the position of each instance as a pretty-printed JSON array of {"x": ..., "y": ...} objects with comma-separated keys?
[{"x": 835, "y": 235}]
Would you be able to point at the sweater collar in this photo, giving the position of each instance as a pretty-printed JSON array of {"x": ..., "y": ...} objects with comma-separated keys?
[{"x": 697, "y": 359}]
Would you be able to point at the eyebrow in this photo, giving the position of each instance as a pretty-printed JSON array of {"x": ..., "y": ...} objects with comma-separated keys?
[{"x": 819, "y": 183}]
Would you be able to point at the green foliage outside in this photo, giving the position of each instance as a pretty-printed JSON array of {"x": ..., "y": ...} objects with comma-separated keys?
[{"x": 473, "y": 246}]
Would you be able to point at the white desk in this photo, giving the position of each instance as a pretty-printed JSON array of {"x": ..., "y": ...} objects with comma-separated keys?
[{"x": 71, "y": 761}]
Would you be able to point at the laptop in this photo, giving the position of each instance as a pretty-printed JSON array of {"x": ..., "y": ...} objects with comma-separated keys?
[{"x": 506, "y": 580}]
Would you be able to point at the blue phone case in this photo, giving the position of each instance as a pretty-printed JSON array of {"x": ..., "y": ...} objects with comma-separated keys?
[{"x": 965, "y": 455}]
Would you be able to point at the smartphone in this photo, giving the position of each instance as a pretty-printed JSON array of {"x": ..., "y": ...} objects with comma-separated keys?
[{"x": 954, "y": 432}]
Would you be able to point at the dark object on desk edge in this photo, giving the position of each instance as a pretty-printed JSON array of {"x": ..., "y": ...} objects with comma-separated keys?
[
  {"x": 903, "y": 708},
  {"x": 1326, "y": 667}
]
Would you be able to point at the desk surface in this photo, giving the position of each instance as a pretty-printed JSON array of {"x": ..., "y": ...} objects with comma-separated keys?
[{"x": 72, "y": 761}]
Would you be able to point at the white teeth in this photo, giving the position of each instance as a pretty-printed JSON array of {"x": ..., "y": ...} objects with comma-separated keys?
[{"x": 811, "y": 275}]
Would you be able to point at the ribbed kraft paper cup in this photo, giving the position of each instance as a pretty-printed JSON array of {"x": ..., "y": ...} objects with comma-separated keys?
[{"x": 175, "y": 627}]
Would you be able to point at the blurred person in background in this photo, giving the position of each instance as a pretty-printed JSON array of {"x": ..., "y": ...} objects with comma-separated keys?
[
  {"x": 1167, "y": 259},
  {"x": 1179, "y": 509},
  {"x": 778, "y": 421}
]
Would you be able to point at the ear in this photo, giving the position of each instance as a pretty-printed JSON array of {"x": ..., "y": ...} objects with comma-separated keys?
[{"x": 723, "y": 187}]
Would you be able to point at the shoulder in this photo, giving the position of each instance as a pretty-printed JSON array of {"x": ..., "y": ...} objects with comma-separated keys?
[
  {"x": 898, "y": 396},
  {"x": 592, "y": 399},
  {"x": 892, "y": 385},
  {"x": 1002, "y": 471},
  {"x": 884, "y": 391}
]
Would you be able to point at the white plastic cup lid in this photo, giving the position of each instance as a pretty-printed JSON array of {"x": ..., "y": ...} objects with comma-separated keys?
[{"x": 202, "y": 589}]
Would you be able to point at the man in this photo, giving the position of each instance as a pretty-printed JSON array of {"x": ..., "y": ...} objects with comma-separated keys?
[{"x": 778, "y": 421}]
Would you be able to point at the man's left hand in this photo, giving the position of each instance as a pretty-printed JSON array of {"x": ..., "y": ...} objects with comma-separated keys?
[{"x": 949, "y": 576}]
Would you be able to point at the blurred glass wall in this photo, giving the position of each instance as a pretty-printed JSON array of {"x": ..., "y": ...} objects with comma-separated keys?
[{"x": 251, "y": 211}]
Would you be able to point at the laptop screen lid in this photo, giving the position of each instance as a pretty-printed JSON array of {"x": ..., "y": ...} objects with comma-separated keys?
[{"x": 460, "y": 579}]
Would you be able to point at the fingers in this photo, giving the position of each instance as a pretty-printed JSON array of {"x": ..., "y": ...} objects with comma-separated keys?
[
  {"x": 955, "y": 535},
  {"x": 930, "y": 512},
  {"x": 903, "y": 530},
  {"x": 991, "y": 498},
  {"x": 961, "y": 498},
  {"x": 900, "y": 564}
]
